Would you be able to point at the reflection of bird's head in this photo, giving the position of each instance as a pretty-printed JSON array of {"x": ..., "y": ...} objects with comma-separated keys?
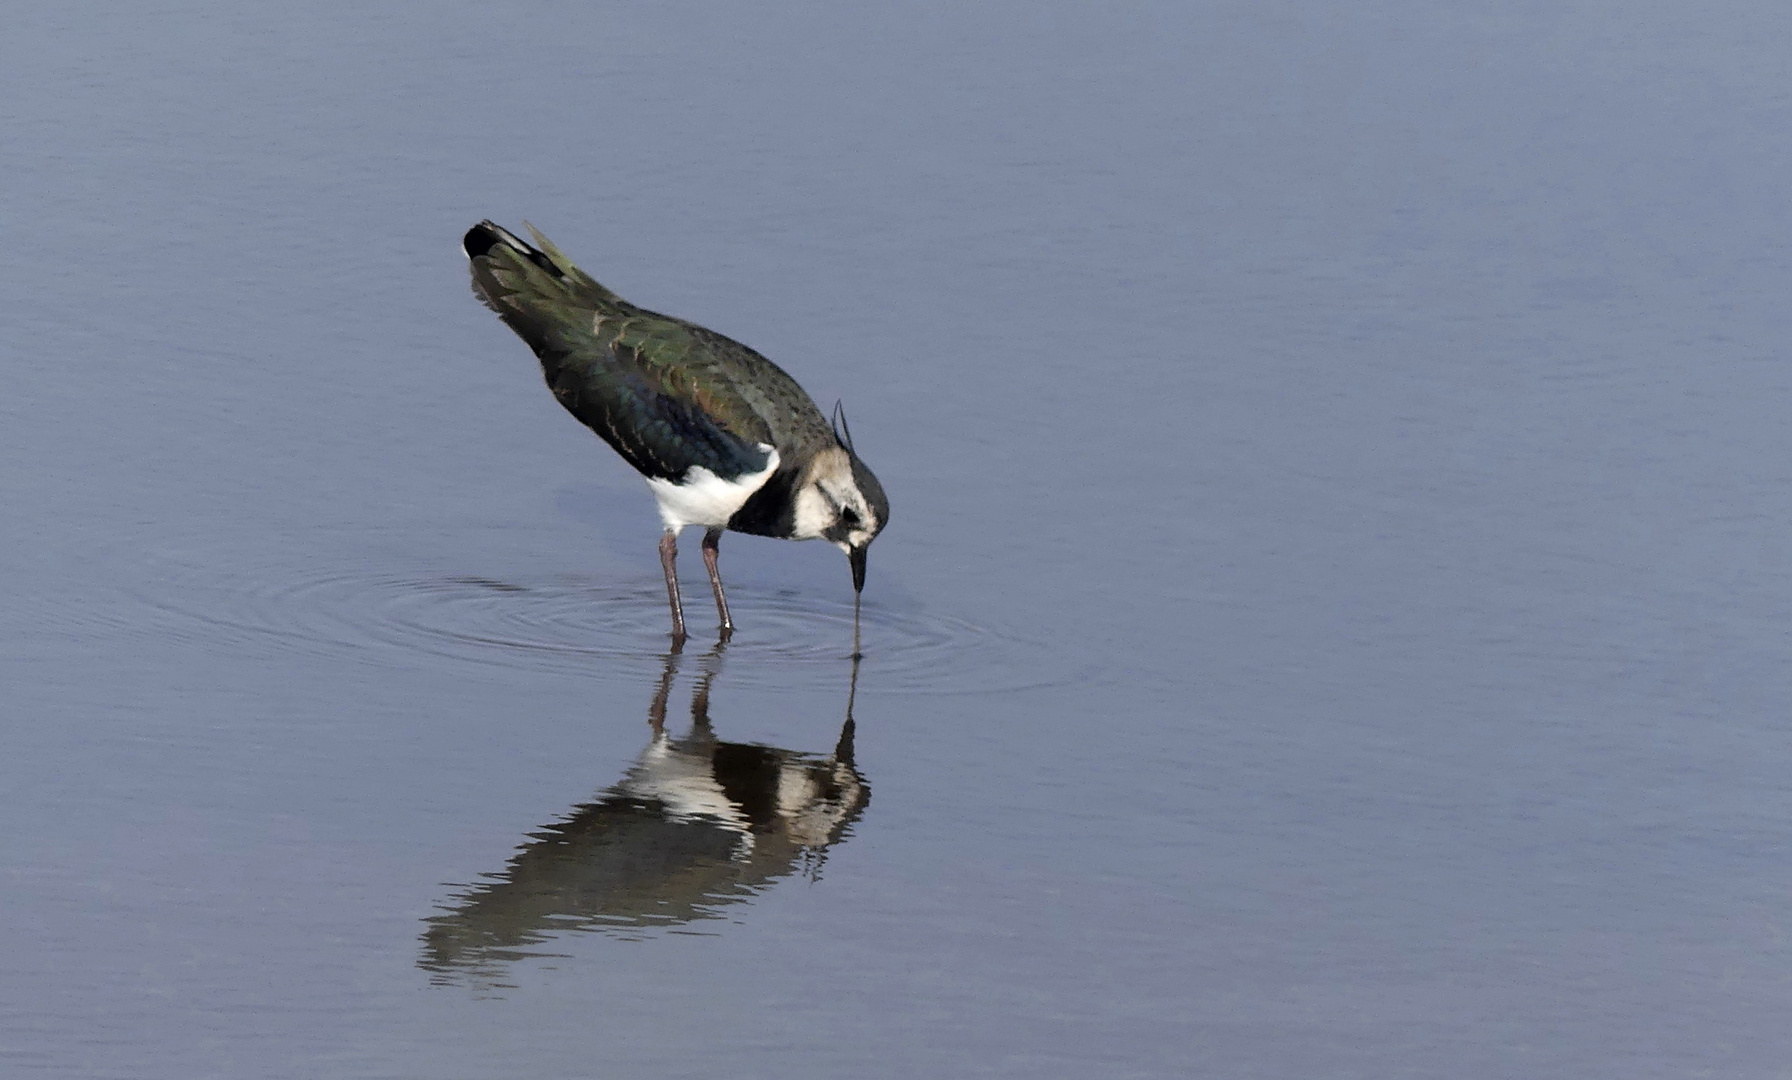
[{"x": 768, "y": 792}]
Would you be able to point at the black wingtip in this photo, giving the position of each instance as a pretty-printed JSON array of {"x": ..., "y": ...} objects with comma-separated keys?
[
  {"x": 480, "y": 239},
  {"x": 485, "y": 236}
]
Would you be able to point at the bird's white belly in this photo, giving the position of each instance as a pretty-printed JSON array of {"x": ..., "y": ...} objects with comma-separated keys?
[
  {"x": 685, "y": 782},
  {"x": 703, "y": 498}
]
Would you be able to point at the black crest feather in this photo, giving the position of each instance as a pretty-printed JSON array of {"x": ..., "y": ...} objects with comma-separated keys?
[{"x": 842, "y": 433}]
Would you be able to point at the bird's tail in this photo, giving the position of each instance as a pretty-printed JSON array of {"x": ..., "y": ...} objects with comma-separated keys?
[{"x": 529, "y": 286}]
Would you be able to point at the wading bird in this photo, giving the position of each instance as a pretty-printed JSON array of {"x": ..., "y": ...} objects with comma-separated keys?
[{"x": 724, "y": 438}]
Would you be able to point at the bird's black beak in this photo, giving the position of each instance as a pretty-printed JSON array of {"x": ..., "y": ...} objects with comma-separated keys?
[{"x": 857, "y": 558}]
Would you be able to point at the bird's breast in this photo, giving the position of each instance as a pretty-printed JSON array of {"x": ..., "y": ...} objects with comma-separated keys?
[{"x": 700, "y": 497}]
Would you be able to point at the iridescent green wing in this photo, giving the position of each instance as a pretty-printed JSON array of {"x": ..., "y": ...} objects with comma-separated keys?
[
  {"x": 663, "y": 398},
  {"x": 649, "y": 385}
]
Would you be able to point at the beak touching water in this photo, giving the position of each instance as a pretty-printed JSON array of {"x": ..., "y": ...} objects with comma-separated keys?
[{"x": 856, "y": 557}]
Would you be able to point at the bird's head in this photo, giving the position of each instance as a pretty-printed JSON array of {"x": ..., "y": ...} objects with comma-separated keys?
[{"x": 840, "y": 501}]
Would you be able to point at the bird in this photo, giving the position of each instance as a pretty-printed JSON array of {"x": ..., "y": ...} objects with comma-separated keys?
[{"x": 725, "y": 439}]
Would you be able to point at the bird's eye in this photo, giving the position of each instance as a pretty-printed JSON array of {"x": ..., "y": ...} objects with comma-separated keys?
[{"x": 849, "y": 517}]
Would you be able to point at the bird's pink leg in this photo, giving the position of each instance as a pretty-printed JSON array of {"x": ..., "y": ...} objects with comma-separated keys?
[
  {"x": 668, "y": 556},
  {"x": 712, "y": 550}
]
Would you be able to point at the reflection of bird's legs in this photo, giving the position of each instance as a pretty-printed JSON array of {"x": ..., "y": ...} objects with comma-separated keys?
[
  {"x": 712, "y": 550},
  {"x": 711, "y": 666},
  {"x": 656, "y": 712}
]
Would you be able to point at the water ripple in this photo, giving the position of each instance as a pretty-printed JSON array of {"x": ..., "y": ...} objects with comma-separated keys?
[{"x": 313, "y": 599}]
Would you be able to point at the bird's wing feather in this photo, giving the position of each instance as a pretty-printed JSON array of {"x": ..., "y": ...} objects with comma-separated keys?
[
  {"x": 666, "y": 404},
  {"x": 648, "y": 385}
]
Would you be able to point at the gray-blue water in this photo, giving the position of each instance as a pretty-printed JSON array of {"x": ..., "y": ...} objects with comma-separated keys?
[{"x": 1334, "y": 621}]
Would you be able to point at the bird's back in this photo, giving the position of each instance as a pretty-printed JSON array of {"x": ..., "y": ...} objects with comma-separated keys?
[{"x": 665, "y": 393}]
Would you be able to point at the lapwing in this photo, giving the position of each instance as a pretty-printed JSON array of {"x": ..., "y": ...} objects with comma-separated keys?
[{"x": 724, "y": 438}]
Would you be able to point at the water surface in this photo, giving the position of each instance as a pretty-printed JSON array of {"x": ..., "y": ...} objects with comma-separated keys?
[{"x": 1334, "y": 621}]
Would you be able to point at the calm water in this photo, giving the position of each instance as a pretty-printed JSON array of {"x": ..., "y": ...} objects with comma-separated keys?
[{"x": 1334, "y": 621}]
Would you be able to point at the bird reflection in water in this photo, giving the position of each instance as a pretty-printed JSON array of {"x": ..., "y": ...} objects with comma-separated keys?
[{"x": 696, "y": 825}]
